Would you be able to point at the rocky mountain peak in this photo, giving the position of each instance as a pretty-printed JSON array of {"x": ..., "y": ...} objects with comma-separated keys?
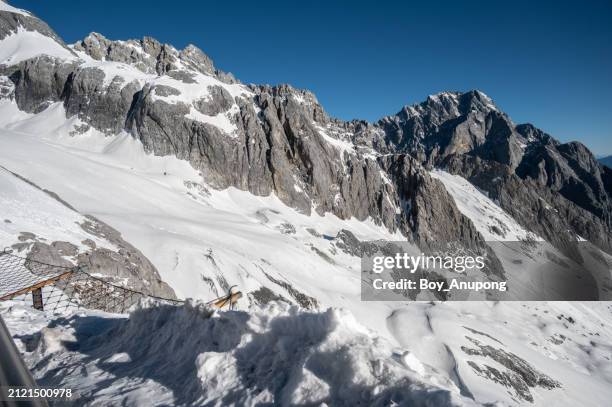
[
  {"x": 532, "y": 134},
  {"x": 197, "y": 59},
  {"x": 453, "y": 123},
  {"x": 444, "y": 106},
  {"x": 296, "y": 100},
  {"x": 150, "y": 55},
  {"x": 278, "y": 139},
  {"x": 478, "y": 100},
  {"x": 13, "y": 19},
  {"x": 579, "y": 152}
]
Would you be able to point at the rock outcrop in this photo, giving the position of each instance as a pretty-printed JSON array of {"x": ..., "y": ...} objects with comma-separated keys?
[
  {"x": 111, "y": 258},
  {"x": 277, "y": 139}
]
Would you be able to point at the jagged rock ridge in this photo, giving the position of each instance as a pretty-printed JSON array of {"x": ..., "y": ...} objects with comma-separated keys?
[{"x": 277, "y": 139}]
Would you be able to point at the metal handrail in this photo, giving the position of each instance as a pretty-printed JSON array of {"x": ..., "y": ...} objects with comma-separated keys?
[{"x": 14, "y": 372}]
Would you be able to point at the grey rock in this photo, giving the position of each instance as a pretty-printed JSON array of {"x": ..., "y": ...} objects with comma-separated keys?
[
  {"x": 162, "y": 90},
  {"x": 264, "y": 295},
  {"x": 452, "y": 123},
  {"x": 300, "y": 298},
  {"x": 285, "y": 143},
  {"x": 183, "y": 76},
  {"x": 7, "y": 88},
  {"x": 49, "y": 253},
  {"x": 287, "y": 228},
  {"x": 127, "y": 262},
  {"x": 518, "y": 375},
  {"x": 102, "y": 108},
  {"x": 196, "y": 59},
  {"x": 25, "y": 236},
  {"x": 535, "y": 206},
  {"x": 150, "y": 56},
  {"x": 11, "y": 22},
  {"x": 38, "y": 82},
  {"x": 219, "y": 101}
]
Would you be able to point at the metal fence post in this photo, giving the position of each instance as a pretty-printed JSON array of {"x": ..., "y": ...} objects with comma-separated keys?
[
  {"x": 14, "y": 373},
  {"x": 37, "y": 299}
]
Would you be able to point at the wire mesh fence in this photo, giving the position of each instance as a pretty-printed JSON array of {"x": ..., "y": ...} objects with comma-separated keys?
[{"x": 58, "y": 288}]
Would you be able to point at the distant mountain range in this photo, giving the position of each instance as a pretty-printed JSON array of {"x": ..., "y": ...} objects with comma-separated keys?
[{"x": 607, "y": 161}]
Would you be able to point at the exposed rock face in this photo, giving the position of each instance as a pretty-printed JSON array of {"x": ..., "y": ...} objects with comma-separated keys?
[
  {"x": 428, "y": 202},
  {"x": 127, "y": 264},
  {"x": 535, "y": 206},
  {"x": 218, "y": 101},
  {"x": 11, "y": 22},
  {"x": 39, "y": 82},
  {"x": 571, "y": 170},
  {"x": 556, "y": 190},
  {"x": 517, "y": 374},
  {"x": 453, "y": 123},
  {"x": 148, "y": 55},
  {"x": 276, "y": 139},
  {"x": 119, "y": 261}
]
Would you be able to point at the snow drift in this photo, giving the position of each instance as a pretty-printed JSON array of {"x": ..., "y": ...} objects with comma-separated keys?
[{"x": 190, "y": 355}]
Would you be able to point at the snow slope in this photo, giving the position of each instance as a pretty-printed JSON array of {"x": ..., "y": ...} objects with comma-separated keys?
[
  {"x": 202, "y": 241},
  {"x": 7, "y": 7},
  {"x": 527, "y": 257},
  {"x": 493, "y": 223},
  {"x": 27, "y": 209},
  {"x": 535, "y": 354},
  {"x": 570, "y": 342},
  {"x": 22, "y": 45},
  {"x": 278, "y": 354}
]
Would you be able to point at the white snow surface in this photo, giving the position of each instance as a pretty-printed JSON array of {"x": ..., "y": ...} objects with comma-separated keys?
[
  {"x": 277, "y": 354},
  {"x": 202, "y": 241},
  {"x": 7, "y": 7},
  {"x": 506, "y": 237},
  {"x": 569, "y": 342},
  {"x": 487, "y": 216},
  {"x": 22, "y": 45},
  {"x": 26, "y": 208},
  {"x": 289, "y": 356}
]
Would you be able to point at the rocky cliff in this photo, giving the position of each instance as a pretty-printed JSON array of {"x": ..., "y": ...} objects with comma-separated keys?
[{"x": 277, "y": 139}]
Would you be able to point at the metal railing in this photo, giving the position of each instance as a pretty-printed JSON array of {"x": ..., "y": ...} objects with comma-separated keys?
[
  {"x": 14, "y": 373},
  {"x": 56, "y": 288}
]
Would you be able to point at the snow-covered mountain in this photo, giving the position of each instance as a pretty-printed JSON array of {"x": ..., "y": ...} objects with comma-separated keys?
[{"x": 218, "y": 183}]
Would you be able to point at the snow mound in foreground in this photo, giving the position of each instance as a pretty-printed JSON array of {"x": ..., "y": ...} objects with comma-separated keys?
[{"x": 189, "y": 355}]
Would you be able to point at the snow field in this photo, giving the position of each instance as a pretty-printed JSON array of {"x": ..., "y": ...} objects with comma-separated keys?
[{"x": 277, "y": 354}]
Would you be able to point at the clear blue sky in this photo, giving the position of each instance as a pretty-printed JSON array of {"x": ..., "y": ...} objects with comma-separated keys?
[{"x": 548, "y": 63}]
